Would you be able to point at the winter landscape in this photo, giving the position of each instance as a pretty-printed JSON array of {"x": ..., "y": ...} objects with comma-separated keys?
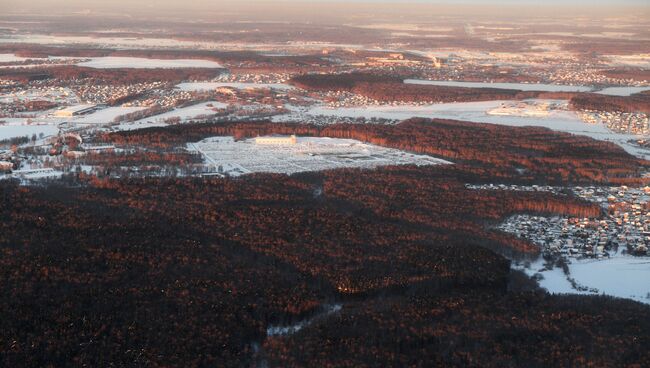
[{"x": 286, "y": 184}]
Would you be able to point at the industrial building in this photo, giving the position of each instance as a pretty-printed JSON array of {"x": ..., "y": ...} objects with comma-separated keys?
[
  {"x": 77, "y": 110},
  {"x": 276, "y": 140}
]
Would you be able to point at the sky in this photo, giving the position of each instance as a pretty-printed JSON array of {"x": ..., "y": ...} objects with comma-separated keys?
[{"x": 317, "y": 8}]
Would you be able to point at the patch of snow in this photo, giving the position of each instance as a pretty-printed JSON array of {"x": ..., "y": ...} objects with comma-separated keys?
[{"x": 184, "y": 113}]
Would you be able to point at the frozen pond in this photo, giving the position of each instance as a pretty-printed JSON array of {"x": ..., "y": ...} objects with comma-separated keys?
[
  {"x": 112, "y": 62},
  {"x": 517, "y": 86},
  {"x": 206, "y": 86}
]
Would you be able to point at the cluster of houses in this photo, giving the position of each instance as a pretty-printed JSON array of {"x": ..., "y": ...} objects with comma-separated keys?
[
  {"x": 101, "y": 93},
  {"x": 620, "y": 122},
  {"x": 624, "y": 226}
]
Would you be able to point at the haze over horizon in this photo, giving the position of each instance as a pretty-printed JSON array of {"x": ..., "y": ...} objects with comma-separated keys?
[{"x": 325, "y": 10}]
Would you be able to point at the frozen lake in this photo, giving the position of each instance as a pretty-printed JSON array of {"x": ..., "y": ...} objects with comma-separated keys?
[
  {"x": 112, "y": 62},
  {"x": 517, "y": 86}
]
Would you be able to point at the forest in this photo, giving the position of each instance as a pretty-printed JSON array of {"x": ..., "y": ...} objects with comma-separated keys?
[
  {"x": 192, "y": 271},
  {"x": 387, "y": 88},
  {"x": 108, "y": 76},
  {"x": 639, "y": 102},
  {"x": 480, "y": 152}
]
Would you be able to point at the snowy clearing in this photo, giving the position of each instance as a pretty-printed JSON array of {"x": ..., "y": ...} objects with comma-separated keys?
[
  {"x": 226, "y": 156},
  {"x": 184, "y": 113},
  {"x": 103, "y": 116}
]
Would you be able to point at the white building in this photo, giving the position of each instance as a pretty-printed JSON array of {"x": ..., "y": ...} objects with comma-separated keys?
[
  {"x": 75, "y": 111},
  {"x": 277, "y": 140}
]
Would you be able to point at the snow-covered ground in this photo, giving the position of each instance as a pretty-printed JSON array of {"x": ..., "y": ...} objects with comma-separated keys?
[
  {"x": 10, "y": 58},
  {"x": 184, "y": 113},
  {"x": 206, "y": 86},
  {"x": 622, "y": 276},
  {"x": 103, "y": 116},
  {"x": 21, "y": 130},
  {"x": 112, "y": 62},
  {"x": 517, "y": 86},
  {"x": 226, "y": 156}
]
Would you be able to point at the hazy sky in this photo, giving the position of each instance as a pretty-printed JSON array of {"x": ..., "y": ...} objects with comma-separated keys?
[{"x": 314, "y": 10}]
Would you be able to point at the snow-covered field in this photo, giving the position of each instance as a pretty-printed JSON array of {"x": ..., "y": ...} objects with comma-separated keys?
[
  {"x": 103, "y": 116},
  {"x": 227, "y": 156},
  {"x": 621, "y": 276},
  {"x": 21, "y": 130},
  {"x": 112, "y": 62},
  {"x": 517, "y": 86},
  {"x": 206, "y": 86},
  {"x": 184, "y": 113}
]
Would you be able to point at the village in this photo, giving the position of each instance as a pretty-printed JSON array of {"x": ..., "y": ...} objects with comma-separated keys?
[{"x": 623, "y": 228}]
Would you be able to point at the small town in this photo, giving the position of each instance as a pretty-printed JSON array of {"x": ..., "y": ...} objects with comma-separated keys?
[{"x": 624, "y": 226}]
